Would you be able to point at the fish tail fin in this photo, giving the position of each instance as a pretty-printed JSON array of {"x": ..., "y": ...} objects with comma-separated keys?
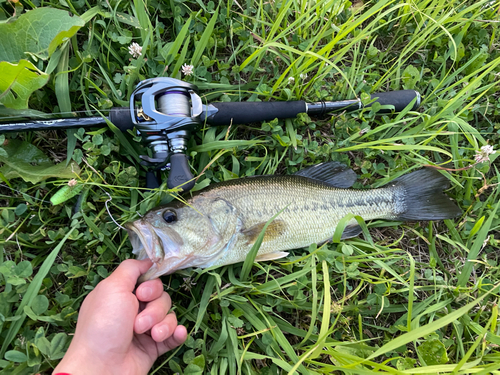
[{"x": 423, "y": 196}]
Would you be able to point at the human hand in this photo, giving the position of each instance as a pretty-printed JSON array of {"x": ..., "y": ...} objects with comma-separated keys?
[{"x": 121, "y": 333}]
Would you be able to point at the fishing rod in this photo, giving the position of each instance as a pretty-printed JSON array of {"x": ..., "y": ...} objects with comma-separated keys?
[{"x": 166, "y": 110}]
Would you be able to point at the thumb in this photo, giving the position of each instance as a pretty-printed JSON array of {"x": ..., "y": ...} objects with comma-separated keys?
[{"x": 127, "y": 273}]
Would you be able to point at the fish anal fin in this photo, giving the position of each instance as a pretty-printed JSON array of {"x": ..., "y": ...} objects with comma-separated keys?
[
  {"x": 271, "y": 256},
  {"x": 274, "y": 230},
  {"x": 351, "y": 231},
  {"x": 332, "y": 173}
]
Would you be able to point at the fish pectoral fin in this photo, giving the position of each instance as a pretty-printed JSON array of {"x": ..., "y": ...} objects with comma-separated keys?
[
  {"x": 275, "y": 229},
  {"x": 332, "y": 173},
  {"x": 271, "y": 256},
  {"x": 351, "y": 231}
]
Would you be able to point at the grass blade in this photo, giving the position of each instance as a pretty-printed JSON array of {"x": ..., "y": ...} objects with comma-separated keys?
[
  {"x": 250, "y": 259},
  {"x": 428, "y": 328},
  {"x": 205, "y": 299},
  {"x": 31, "y": 293},
  {"x": 202, "y": 44},
  {"x": 476, "y": 247},
  {"x": 325, "y": 321}
]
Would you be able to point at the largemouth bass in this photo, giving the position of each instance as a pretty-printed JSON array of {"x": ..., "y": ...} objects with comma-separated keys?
[{"x": 219, "y": 225}]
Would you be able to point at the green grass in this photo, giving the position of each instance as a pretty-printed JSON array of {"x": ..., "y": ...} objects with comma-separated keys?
[{"x": 403, "y": 298}]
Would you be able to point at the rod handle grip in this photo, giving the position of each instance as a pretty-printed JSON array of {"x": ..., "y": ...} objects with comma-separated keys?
[
  {"x": 399, "y": 99},
  {"x": 247, "y": 112}
]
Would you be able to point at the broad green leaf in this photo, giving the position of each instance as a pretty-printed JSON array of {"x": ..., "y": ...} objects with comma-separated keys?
[
  {"x": 433, "y": 352},
  {"x": 57, "y": 345},
  {"x": 405, "y": 363},
  {"x": 15, "y": 356},
  {"x": 41, "y": 341},
  {"x": 192, "y": 369},
  {"x": 7, "y": 268},
  {"x": 30, "y": 313},
  {"x": 21, "y": 208},
  {"x": 37, "y": 32},
  {"x": 24, "y": 269},
  {"x": 40, "y": 304},
  {"x": 18, "y": 81},
  {"x": 411, "y": 76},
  {"x": 28, "y": 162}
]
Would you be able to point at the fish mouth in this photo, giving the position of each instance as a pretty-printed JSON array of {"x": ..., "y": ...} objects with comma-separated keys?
[
  {"x": 150, "y": 242},
  {"x": 145, "y": 242},
  {"x": 161, "y": 248}
]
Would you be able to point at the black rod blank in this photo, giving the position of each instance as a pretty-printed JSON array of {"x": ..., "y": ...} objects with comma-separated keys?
[{"x": 231, "y": 112}]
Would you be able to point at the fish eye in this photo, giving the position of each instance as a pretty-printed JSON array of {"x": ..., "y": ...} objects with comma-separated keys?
[{"x": 169, "y": 216}]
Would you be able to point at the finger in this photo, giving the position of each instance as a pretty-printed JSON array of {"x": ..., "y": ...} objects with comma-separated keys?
[
  {"x": 163, "y": 330},
  {"x": 127, "y": 273},
  {"x": 149, "y": 290},
  {"x": 153, "y": 314},
  {"x": 177, "y": 338}
]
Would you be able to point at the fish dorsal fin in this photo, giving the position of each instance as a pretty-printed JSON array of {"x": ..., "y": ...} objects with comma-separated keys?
[
  {"x": 332, "y": 173},
  {"x": 275, "y": 229}
]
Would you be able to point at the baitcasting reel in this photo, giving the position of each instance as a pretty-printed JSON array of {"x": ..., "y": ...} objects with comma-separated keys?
[{"x": 165, "y": 111}]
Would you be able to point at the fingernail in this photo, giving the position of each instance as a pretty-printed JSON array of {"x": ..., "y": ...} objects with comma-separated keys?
[
  {"x": 146, "y": 292},
  {"x": 144, "y": 323}
]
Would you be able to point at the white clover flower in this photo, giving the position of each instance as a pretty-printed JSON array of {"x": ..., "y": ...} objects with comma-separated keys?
[
  {"x": 188, "y": 283},
  {"x": 135, "y": 50},
  {"x": 482, "y": 155},
  {"x": 303, "y": 76},
  {"x": 187, "y": 70},
  {"x": 291, "y": 80}
]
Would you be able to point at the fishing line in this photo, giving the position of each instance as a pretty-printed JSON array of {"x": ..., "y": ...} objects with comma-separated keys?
[
  {"x": 47, "y": 115},
  {"x": 107, "y": 209},
  {"x": 20, "y": 192}
]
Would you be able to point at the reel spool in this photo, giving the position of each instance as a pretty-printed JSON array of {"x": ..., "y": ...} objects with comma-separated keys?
[{"x": 165, "y": 111}]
